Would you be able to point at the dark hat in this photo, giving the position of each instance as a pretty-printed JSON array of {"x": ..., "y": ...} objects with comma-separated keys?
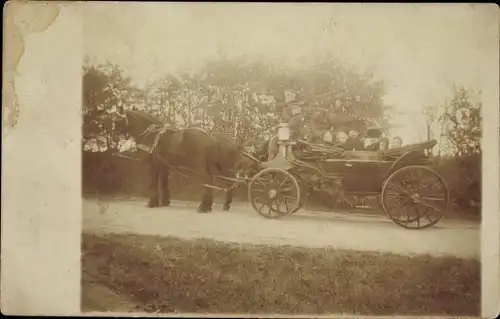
[{"x": 374, "y": 132}]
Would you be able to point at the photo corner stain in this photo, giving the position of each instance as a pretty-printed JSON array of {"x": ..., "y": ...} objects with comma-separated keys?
[{"x": 20, "y": 20}]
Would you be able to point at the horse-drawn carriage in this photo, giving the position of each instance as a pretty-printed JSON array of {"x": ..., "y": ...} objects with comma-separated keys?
[{"x": 412, "y": 194}]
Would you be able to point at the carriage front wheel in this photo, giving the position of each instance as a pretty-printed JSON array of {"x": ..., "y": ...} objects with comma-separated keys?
[
  {"x": 274, "y": 193},
  {"x": 415, "y": 197}
]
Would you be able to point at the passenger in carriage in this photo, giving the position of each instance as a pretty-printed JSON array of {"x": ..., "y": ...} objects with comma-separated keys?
[
  {"x": 396, "y": 142},
  {"x": 341, "y": 137},
  {"x": 373, "y": 138},
  {"x": 372, "y": 143},
  {"x": 384, "y": 144},
  {"x": 319, "y": 128},
  {"x": 354, "y": 143}
]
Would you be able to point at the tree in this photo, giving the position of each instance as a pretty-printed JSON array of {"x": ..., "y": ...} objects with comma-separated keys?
[
  {"x": 104, "y": 89},
  {"x": 461, "y": 123},
  {"x": 325, "y": 85},
  {"x": 461, "y": 133},
  {"x": 237, "y": 96}
]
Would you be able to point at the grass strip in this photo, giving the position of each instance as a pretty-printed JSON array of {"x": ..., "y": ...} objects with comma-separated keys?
[{"x": 165, "y": 274}]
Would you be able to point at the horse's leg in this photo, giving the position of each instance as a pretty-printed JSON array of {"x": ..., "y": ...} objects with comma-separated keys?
[
  {"x": 207, "y": 199},
  {"x": 154, "y": 200},
  {"x": 228, "y": 196},
  {"x": 205, "y": 177},
  {"x": 165, "y": 189},
  {"x": 228, "y": 199}
]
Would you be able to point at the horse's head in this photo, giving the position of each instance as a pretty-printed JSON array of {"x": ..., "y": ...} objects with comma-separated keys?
[{"x": 135, "y": 123}]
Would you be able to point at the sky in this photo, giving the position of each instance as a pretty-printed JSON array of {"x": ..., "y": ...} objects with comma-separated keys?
[{"x": 419, "y": 51}]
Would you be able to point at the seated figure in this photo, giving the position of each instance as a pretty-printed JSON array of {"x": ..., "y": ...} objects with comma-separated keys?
[
  {"x": 353, "y": 142},
  {"x": 373, "y": 138},
  {"x": 341, "y": 137},
  {"x": 396, "y": 142},
  {"x": 372, "y": 144},
  {"x": 384, "y": 144}
]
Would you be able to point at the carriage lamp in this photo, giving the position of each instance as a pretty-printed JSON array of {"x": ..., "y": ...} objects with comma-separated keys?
[{"x": 283, "y": 132}]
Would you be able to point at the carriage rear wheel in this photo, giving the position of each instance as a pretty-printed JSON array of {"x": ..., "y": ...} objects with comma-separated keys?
[
  {"x": 274, "y": 193},
  {"x": 415, "y": 197}
]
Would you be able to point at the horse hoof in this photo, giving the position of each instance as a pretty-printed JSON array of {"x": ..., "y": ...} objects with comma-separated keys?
[
  {"x": 200, "y": 210},
  {"x": 226, "y": 207},
  {"x": 152, "y": 204}
]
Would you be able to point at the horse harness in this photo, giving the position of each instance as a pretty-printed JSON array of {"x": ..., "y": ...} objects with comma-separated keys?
[{"x": 160, "y": 131}]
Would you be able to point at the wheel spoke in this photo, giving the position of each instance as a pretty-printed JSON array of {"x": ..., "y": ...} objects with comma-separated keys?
[
  {"x": 425, "y": 211},
  {"x": 257, "y": 198},
  {"x": 418, "y": 215},
  {"x": 260, "y": 182},
  {"x": 265, "y": 198},
  {"x": 399, "y": 188},
  {"x": 278, "y": 206},
  {"x": 286, "y": 207},
  {"x": 259, "y": 191},
  {"x": 271, "y": 206},
  {"x": 398, "y": 202},
  {"x": 433, "y": 198},
  {"x": 424, "y": 203},
  {"x": 407, "y": 214},
  {"x": 282, "y": 183},
  {"x": 395, "y": 195}
]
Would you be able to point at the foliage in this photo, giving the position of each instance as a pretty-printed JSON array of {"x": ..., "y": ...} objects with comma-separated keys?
[
  {"x": 105, "y": 88},
  {"x": 235, "y": 96},
  {"x": 461, "y": 123},
  {"x": 459, "y": 160}
]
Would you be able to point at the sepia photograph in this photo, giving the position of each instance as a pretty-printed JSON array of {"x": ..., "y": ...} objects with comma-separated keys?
[
  {"x": 262, "y": 159},
  {"x": 282, "y": 158}
]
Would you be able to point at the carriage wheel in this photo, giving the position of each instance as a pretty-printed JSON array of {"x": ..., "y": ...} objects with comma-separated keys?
[
  {"x": 415, "y": 197},
  {"x": 274, "y": 193}
]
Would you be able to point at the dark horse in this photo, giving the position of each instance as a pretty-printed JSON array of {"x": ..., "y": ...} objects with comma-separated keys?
[{"x": 204, "y": 155}]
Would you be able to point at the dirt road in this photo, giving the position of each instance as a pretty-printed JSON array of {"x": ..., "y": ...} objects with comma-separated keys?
[{"x": 308, "y": 229}]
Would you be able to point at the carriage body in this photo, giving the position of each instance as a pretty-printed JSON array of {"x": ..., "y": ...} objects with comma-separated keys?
[
  {"x": 407, "y": 188},
  {"x": 361, "y": 172}
]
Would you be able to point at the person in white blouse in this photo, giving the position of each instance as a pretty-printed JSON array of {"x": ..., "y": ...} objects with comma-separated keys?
[{"x": 396, "y": 142}]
